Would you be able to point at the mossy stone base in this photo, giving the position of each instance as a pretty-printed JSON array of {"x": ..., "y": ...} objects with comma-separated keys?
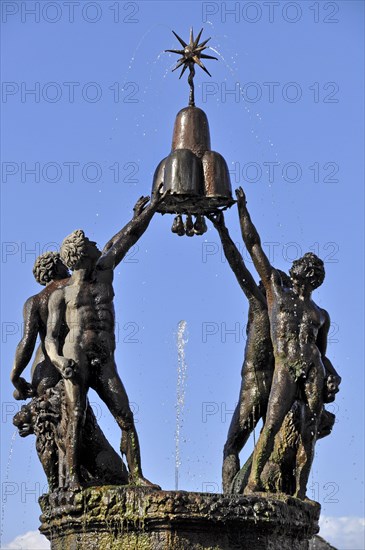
[{"x": 130, "y": 518}]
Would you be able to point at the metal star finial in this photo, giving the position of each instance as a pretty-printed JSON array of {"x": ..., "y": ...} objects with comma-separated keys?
[{"x": 191, "y": 55}]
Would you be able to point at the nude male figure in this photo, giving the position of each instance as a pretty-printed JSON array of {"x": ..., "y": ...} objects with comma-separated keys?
[
  {"x": 51, "y": 272},
  {"x": 87, "y": 358},
  {"x": 258, "y": 366},
  {"x": 298, "y": 329}
]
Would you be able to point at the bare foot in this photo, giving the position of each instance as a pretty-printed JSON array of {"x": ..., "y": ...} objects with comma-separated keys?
[
  {"x": 73, "y": 485},
  {"x": 252, "y": 487},
  {"x": 143, "y": 482}
]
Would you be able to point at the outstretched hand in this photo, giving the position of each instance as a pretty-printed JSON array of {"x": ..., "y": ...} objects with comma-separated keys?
[
  {"x": 241, "y": 197},
  {"x": 217, "y": 218},
  {"x": 140, "y": 206},
  {"x": 142, "y": 202}
]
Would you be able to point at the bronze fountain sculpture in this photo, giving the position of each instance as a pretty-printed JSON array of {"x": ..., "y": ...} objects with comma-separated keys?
[
  {"x": 196, "y": 177},
  {"x": 286, "y": 378}
]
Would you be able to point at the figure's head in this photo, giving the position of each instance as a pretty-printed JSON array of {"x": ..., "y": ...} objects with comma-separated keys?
[
  {"x": 78, "y": 251},
  {"x": 49, "y": 267},
  {"x": 308, "y": 270}
]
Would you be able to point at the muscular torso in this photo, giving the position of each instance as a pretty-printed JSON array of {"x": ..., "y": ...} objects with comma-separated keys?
[
  {"x": 90, "y": 315},
  {"x": 294, "y": 324}
]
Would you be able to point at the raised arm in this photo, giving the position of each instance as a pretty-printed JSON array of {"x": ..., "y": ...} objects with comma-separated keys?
[
  {"x": 24, "y": 350},
  {"x": 235, "y": 260},
  {"x": 252, "y": 240},
  {"x": 118, "y": 246}
]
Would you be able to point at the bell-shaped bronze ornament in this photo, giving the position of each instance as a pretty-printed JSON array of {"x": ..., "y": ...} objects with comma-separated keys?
[
  {"x": 178, "y": 226},
  {"x": 174, "y": 226},
  {"x": 189, "y": 226},
  {"x": 200, "y": 227}
]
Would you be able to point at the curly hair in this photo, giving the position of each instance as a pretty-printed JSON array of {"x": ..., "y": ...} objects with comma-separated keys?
[
  {"x": 308, "y": 267},
  {"x": 73, "y": 249},
  {"x": 45, "y": 267}
]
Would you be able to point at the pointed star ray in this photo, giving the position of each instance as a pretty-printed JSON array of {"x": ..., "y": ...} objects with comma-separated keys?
[
  {"x": 191, "y": 55},
  {"x": 198, "y": 62},
  {"x": 181, "y": 62},
  {"x": 203, "y": 43},
  {"x": 183, "y": 70},
  {"x": 208, "y": 57},
  {"x": 184, "y": 44},
  {"x": 196, "y": 41},
  {"x": 201, "y": 48},
  {"x": 180, "y": 52},
  {"x": 192, "y": 52}
]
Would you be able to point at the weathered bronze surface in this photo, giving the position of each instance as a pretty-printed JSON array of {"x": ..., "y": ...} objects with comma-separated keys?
[
  {"x": 279, "y": 472},
  {"x": 115, "y": 518},
  {"x": 191, "y": 131},
  {"x": 287, "y": 350},
  {"x": 79, "y": 347},
  {"x": 197, "y": 178},
  {"x": 51, "y": 272},
  {"x": 47, "y": 417}
]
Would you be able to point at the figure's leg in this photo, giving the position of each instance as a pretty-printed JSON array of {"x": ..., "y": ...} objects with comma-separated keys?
[
  {"x": 281, "y": 399},
  {"x": 313, "y": 390},
  {"x": 75, "y": 404},
  {"x": 250, "y": 408},
  {"x": 110, "y": 389},
  {"x": 75, "y": 395},
  {"x": 231, "y": 463}
]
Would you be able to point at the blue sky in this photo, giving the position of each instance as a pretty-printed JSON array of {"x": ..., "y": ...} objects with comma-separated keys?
[{"x": 285, "y": 110}]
